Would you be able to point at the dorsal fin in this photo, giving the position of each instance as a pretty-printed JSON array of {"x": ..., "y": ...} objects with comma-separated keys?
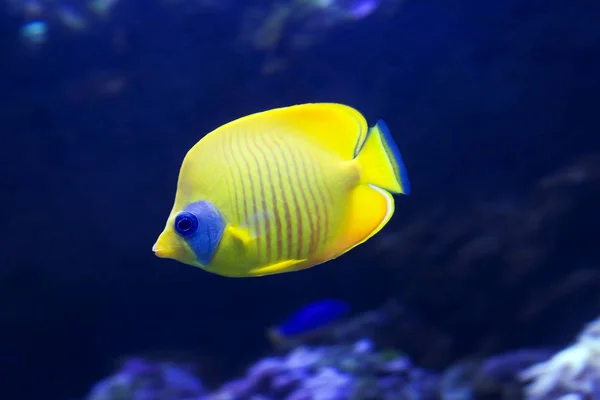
[{"x": 336, "y": 127}]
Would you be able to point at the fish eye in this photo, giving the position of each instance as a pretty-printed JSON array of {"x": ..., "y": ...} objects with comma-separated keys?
[{"x": 186, "y": 223}]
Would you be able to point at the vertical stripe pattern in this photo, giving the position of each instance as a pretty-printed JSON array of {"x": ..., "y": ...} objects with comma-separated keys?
[
  {"x": 280, "y": 193},
  {"x": 281, "y": 201},
  {"x": 298, "y": 215}
]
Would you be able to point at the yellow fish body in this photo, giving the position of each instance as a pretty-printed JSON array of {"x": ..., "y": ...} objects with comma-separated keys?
[{"x": 282, "y": 190}]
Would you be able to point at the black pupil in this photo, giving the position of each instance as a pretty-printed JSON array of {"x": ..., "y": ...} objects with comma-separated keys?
[{"x": 185, "y": 224}]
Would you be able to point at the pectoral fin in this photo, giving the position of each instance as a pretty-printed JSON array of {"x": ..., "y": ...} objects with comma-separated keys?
[
  {"x": 246, "y": 233},
  {"x": 242, "y": 235}
]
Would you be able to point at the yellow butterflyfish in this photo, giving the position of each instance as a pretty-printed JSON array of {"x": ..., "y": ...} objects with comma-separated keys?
[{"x": 283, "y": 190}]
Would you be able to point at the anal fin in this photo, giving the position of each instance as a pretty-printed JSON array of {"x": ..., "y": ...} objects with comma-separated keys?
[
  {"x": 276, "y": 268},
  {"x": 370, "y": 209}
]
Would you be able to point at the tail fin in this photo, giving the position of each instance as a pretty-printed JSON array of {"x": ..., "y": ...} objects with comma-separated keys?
[{"x": 381, "y": 162}]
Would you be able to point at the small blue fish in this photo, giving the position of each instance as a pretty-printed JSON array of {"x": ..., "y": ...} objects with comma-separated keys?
[
  {"x": 34, "y": 33},
  {"x": 311, "y": 318}
]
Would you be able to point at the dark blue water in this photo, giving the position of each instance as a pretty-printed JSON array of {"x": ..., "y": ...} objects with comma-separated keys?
[{"x": 483, "y": 98}]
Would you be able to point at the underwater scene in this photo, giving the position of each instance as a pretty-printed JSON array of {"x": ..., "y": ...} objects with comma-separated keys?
[{"x": 300, "y": 200}]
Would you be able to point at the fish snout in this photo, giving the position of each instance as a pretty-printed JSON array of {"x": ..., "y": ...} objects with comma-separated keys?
[{"x": 162, "y": 248}]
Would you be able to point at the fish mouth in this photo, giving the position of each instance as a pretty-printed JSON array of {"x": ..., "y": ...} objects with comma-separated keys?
[{"x": 161, "y": 251}]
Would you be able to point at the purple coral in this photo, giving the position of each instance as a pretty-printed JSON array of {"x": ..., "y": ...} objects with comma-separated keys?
[
  {"x": 332, "y": 372},
  {"x": 140, "y": 379},
  {"x": 326, "y": 384},
  {"x": 571, "y": 373}
]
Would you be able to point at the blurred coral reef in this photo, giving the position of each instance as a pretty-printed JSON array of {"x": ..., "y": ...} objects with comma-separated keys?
[
  {"x": 334, "y": 372},
  {"x": 358, "y": 370},
  {"x": 573, "y": 373},
  {"x": 276, "y": 29},
  {"x": 361, "y": 371},
  {"x": 503, "y": 258},
  {"x": 140, "y": 379},
  {"x": 282, "y": 29}
]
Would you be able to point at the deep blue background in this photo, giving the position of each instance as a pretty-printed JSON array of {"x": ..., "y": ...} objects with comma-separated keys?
[{"x": 482, "y": 97}]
